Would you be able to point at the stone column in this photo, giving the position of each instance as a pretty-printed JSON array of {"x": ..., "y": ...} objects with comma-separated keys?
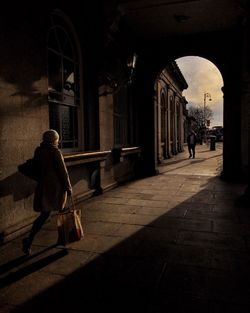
[
  {"x": 245, "y": 115},
  {"x": 167, "y": 119},
  {"x": 175, "y": 126}
]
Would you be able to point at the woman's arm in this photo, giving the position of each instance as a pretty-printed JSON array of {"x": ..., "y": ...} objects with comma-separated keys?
[{"x": 62, "y": 171}]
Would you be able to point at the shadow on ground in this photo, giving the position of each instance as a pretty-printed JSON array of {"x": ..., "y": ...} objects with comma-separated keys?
[
  {"x": 31, "y": 267},
  {"x": 194, "y": 258}
]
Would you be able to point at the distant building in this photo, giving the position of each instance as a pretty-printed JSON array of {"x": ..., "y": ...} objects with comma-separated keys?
[{"x": 171, "y": 113}]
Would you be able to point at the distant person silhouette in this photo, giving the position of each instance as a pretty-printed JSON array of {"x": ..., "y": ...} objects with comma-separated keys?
[
  {"x": 191, "y": 141},
  {"x": 53, "y": 184}
]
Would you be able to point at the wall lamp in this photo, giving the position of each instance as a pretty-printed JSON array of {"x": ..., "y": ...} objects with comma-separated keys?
[
  {"x": 131, "y": 64},
  {"x": 114, "y": 82}
]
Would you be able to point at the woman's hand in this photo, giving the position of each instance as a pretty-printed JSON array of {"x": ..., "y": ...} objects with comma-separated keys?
[{"x": 69, "y": 192}]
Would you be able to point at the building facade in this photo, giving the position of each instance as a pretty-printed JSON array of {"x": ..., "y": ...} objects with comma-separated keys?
[
  {"x": 49, "y": 79},
  {"x": 171, "y": 112}
]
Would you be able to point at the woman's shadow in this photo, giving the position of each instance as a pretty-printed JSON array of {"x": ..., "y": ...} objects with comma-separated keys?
[
  {"x": 17, "y": 185},
  {"x": 13, "y": 270}
]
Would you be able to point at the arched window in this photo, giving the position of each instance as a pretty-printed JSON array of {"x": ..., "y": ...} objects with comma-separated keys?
[{"x": 63, "y": 80}]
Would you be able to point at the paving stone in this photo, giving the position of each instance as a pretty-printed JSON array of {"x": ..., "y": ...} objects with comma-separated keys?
[
  {"x": 72, "y": 261},
  {"x": 229, "y": 307},
  {"x": 100, "y": 228},
  {"x": 22, "y": 287},
  {"x": 148, "y": 210},
  {"x": 5, "y": 308},
  {"x": 233, "y": 286},
  {"x": 229, "y": 226},
  {"x": 229, "y": 260},
  {"x": 189, "y": 255},
  {"x": 183, "y": 279},
  {"x": 96, "y": 243},
  {"x": 126, "y": 230},
  {"x": 212, "y": 240},
  {"x": 182, "y": 223}
]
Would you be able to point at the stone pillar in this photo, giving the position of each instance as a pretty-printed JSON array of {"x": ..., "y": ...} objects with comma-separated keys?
[
  {"x": 245, "y": 115},
  {"x": 181, "y": 126},
  {"x": 144, "y": 100},
  {"x": 167, "y": 123},
  {"x": 158, "y": 104},
  {"x": 175, "y": 126},
  {"x": 232, "y": 130}
]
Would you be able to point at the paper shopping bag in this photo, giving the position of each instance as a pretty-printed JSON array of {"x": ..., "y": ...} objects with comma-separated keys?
[{"x": 69, "y": 226}]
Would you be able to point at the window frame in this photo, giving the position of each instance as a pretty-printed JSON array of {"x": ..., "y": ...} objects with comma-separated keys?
[{"x": 57, "y": 99}]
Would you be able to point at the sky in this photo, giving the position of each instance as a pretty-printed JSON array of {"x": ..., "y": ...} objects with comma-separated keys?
[{"x": 202, "y": 76}]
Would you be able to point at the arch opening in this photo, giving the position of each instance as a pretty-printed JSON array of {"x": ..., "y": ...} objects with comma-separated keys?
[{"x": 189, "y": 95}]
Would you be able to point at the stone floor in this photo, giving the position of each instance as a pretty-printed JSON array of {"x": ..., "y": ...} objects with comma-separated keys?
[{"x": 175, "y": 242}]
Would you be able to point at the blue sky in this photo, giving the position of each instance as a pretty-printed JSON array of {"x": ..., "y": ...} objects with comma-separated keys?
[{"x": 202, "y": 77}]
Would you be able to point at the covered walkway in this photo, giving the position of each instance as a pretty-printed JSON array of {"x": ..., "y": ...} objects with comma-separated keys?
[{"x": 175, "y": 242}]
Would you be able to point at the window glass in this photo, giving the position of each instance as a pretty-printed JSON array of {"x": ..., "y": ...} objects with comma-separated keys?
[
  {"x": 68, "y": 127},
  {"x": 61, "y": 38},
  {"x": 63, "y": 89},
  {"x": 54, "y": 117},
  {"x": 64, "y": 120},
  {"x": 67, "y": 50},
  {"x": 54, "y": 72},
  {"x": 68, "y": 82}
]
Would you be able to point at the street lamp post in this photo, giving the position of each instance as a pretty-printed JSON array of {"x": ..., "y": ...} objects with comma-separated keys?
[{"x": 206, "y": 95}]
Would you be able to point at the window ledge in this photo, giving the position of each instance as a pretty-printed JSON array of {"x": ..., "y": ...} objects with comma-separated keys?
[{"x": 95, "y": 156}]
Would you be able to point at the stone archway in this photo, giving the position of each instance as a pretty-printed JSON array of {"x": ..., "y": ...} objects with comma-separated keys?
[{"x": 226, "y": 57}]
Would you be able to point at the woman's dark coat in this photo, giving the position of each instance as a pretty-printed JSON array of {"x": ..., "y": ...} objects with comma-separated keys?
[{"x": 53, "y": 183}]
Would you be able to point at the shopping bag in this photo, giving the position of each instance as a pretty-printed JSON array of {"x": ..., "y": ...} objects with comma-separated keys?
[{"x": 69, "y": 226}]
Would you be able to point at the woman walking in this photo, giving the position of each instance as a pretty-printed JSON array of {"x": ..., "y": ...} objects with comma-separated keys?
[{"x": 53, "y": 184}]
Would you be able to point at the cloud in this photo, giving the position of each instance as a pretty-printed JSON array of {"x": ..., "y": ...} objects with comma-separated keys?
[{"x": 202, "y": 77}]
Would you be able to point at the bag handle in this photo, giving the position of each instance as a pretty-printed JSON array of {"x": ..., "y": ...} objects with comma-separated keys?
[{"x": 70, "y": 203}]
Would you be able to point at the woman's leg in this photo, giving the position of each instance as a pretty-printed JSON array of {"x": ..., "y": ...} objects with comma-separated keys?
[
  {"x": 194, "y": 151},
  {"x": 37, "y": 225}
]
